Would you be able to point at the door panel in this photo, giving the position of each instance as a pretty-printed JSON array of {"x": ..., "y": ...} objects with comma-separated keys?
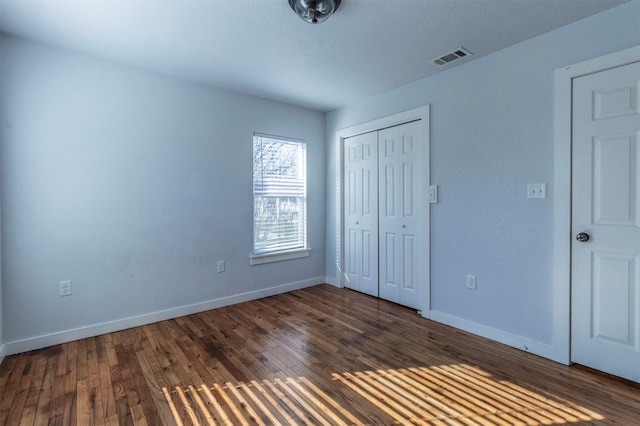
[
  {"x": 408, "y": 193},
  {"x": 605, "y": 293},
  {"x": 409, "y": 257},
  {"x": 399, "y": 214},
  {"x": 389, "y": 191},
  {"x": 614, "y": 158},
  {"x": 361, "y": 216},
  {"x": 613, "y": 313}
]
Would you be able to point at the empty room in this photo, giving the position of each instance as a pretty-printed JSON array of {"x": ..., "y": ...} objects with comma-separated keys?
[{"x": 335, "y": 212}]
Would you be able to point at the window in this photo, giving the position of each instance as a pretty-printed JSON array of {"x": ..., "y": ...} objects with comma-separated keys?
[{"x": 279, "y": 198}]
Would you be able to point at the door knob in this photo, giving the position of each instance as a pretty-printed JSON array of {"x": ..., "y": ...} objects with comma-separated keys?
[
  {"x": 582, "y": 237},
  {"x": 404, "y": 226},
  {"x": 357, "y": 223}
]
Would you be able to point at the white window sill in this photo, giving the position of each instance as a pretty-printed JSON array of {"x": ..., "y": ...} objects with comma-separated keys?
[{"x": 259, "y": 259}]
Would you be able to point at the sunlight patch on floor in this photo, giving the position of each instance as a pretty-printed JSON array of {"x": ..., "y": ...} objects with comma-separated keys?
[
  {"x": 446, "y": 394},
  {"x": 277, "y": 402},
  {"x": 460, "y": 394}
]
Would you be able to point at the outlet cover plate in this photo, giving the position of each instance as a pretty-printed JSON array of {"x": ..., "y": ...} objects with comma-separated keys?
[
  {"x": 537, "y": 190},
  {"x": 65, "y": 288},
  {"x": 471, "y": 282}
]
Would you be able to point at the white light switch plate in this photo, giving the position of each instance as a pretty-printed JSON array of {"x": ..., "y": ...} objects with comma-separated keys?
[
  {"x": 537, "y": 190},
  {"x": 432, "y": 194}
]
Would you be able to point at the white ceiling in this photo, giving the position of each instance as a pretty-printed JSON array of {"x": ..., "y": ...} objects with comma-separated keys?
[{"x": 261, "y": 48}]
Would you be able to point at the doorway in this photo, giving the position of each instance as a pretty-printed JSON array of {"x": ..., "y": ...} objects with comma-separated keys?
[
  {"x": 596, "y": 215},
  {"x": 605, "y": 260}
]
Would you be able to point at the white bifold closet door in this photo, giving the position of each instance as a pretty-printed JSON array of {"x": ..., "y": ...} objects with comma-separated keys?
[
  {"x": 361, "y": 213},
  {"x": 399, "y": 214},
  {"x": 383, "y": 213}
]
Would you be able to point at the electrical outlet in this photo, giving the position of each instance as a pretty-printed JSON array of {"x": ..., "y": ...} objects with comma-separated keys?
[
  {"x": 537, "y": 190},
  {"x": 471, "y": 282},
  {"x": 65, "y": 288},
  {"x": 220, "y": 266}
]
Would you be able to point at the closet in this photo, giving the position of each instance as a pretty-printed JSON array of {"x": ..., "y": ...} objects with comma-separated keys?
[{"x": 384, "y": 216}]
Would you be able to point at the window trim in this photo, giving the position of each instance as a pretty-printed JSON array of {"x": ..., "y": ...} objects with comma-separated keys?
[
  {"x": 259, "y": 259},
  {"x": 289, "y": 253}
]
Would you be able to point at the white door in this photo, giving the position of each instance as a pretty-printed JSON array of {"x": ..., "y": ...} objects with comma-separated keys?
[
  {"x": 605, "y": 283},
  {"x": 361, "y": 213},
  {"x": 400, "y": 214}
]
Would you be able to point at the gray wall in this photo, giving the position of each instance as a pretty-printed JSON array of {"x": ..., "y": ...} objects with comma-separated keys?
[
  {"x": 132, "y": 185},
  {"x": 491, "y": 134}
]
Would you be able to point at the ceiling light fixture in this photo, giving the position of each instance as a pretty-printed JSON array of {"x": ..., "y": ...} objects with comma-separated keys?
[{"x": 314, "y": 11}]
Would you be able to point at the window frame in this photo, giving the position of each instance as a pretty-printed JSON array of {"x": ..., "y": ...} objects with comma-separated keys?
[{"x": 276, "y": 255}]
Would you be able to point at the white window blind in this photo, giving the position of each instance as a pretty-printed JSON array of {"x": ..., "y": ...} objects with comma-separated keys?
[{"x": 279, "y": 194}]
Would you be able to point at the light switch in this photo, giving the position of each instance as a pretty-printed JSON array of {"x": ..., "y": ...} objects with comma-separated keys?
[{"x": 432, "y": 194}]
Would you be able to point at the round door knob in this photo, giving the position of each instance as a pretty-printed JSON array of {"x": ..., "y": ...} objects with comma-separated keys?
[
  {"x": 582, "y": 237},
  {"x": 404, "y": 226},
  {"x": 357, "y": 223}
]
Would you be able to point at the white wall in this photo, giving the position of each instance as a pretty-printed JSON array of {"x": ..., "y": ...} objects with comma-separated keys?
[
  {"x": 492, "y": 133},
  {"x": 132, "y": 185}
]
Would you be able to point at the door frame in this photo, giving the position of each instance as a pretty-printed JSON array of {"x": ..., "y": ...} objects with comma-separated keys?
[
  {"x": 422, "y": 114},
  {"x": 561, "y": 343}
]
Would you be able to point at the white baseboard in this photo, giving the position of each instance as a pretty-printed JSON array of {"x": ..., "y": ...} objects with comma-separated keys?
[
  {"x": 509, "y": 339},
  {"x": 97, "y": 329},
  {"x": 333, "y": 281},
  {"x": 2, "y": 353}
]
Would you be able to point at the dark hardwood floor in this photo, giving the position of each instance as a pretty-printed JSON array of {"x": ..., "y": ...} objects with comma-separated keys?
[{"x": 321, "y": 355}]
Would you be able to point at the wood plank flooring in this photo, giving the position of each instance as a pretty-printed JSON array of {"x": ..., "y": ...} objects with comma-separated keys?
[{"x": 319, "y": 356}]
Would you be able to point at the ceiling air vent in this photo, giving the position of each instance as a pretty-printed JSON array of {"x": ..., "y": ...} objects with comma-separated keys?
[{"x": 459, "y": 53}]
